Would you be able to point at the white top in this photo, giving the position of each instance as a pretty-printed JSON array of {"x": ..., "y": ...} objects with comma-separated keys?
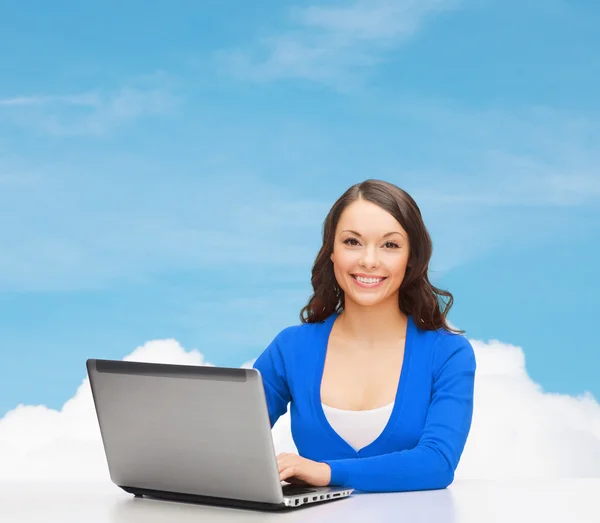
[{"x": 358, "y": 427}]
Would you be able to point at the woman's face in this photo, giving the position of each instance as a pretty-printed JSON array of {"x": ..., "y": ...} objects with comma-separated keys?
[{"x": 369, "y": 243}]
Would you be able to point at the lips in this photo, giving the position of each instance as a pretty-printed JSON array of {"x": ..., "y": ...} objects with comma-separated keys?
[
  {"x": 368, "y": 277},
  {"x": 368, "y": 284}
]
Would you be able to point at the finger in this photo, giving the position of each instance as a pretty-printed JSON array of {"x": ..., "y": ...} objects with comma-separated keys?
[
  {"x": 296, "y": 481},
  {"x": 286, "y": 462},
  {"x": 287, "y": 473},
  {"x": 283, "y": 462}
]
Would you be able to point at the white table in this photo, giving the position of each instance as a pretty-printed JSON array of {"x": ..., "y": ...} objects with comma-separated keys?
[{"x": 564, "y": 501}]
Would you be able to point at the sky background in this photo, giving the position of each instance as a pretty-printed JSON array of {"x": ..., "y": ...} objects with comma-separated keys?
[{"x": 165, "y": 171}]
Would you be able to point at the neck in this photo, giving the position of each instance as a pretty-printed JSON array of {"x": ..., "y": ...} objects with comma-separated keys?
[{"x": 374, "y": 325}]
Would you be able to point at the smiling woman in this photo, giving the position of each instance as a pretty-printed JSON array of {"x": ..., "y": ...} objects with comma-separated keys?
[
  {"x": 392, "y": 229},
  {"x": 380, "y": 388}
]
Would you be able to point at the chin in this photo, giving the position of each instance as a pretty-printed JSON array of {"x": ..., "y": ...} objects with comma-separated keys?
[{"x": 367, "y": 302}]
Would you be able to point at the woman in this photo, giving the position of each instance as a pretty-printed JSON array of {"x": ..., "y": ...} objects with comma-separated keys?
[{"x": 380, "y": 387}]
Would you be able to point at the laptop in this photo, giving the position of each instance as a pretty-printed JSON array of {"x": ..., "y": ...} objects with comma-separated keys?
[{"x": 192, "y": 433}]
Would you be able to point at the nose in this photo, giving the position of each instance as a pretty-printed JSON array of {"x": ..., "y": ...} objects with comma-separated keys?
[{"x": 369, "y": 257}]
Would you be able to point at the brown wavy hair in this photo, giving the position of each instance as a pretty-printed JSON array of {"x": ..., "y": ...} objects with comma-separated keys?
[{"x": 417, "y": 296}]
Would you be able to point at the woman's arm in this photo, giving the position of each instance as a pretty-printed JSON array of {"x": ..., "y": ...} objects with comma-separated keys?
[
  {"x": 431, "y": 464},
  {"x": 271, "y": 366}
]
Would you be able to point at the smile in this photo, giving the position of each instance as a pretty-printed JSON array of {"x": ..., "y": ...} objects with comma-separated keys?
[{"x": 368, "y": 282}]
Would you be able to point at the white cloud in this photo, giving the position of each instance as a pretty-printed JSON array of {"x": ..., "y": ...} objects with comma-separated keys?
[
  {"x": 518, "y": 430},
  {"x": 327, "y": 42},
  {"x": 87, "y": 99},
  {"x": 38, "y": 442},
  {"x": 92, "y": 113}
]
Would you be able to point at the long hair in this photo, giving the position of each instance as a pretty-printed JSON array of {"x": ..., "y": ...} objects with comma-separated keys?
[{"x": 417, "y": 296}]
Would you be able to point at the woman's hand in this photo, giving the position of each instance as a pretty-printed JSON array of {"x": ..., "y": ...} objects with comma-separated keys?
[{"x": 296, "y": 469}]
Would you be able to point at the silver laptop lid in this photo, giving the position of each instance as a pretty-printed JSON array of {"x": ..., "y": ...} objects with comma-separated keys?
[{"x": 187, "y": 429}]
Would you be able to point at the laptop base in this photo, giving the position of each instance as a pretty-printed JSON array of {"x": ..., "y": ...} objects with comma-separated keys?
[{"x": 216, "y": 501}]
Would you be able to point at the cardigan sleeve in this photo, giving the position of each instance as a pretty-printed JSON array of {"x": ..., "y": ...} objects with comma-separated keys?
[
  {"x": 432, "y": 462},
  {"x": 272, "y": 367}
]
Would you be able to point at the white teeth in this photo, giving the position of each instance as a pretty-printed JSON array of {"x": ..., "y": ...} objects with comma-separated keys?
[{"x": 368, "y": 280}]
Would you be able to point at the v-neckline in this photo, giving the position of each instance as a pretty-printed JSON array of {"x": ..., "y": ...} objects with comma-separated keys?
[{"x": 400, "y": 390}]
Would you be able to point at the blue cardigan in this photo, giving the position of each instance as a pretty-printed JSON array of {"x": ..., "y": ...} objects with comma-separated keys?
[{"x": 421, "y": 445}]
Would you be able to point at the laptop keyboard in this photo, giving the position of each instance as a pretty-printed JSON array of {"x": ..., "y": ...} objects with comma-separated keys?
[{"x": 295, "y": 490}]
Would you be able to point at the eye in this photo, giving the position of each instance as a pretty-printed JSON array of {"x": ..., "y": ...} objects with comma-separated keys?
[{"x": 354, "y": 241}]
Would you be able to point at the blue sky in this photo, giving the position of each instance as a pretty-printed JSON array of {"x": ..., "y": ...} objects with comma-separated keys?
[{"x": 165, "y": 171}]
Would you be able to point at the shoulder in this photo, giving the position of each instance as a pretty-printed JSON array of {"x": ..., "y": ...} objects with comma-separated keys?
[
  {"x": 293, "y": 334},
  {"x": 300, "y": 344},
  {"x": 287, "y": 335},
  {"x": 452, "y": 350},
  {"x": 289, "y": 351},
  {"x": 293, "y": 337},
  {"x": 446, "y": 349}
]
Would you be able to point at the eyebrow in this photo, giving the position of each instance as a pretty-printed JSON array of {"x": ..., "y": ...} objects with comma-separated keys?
[{"x": 385, "y": 235}]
